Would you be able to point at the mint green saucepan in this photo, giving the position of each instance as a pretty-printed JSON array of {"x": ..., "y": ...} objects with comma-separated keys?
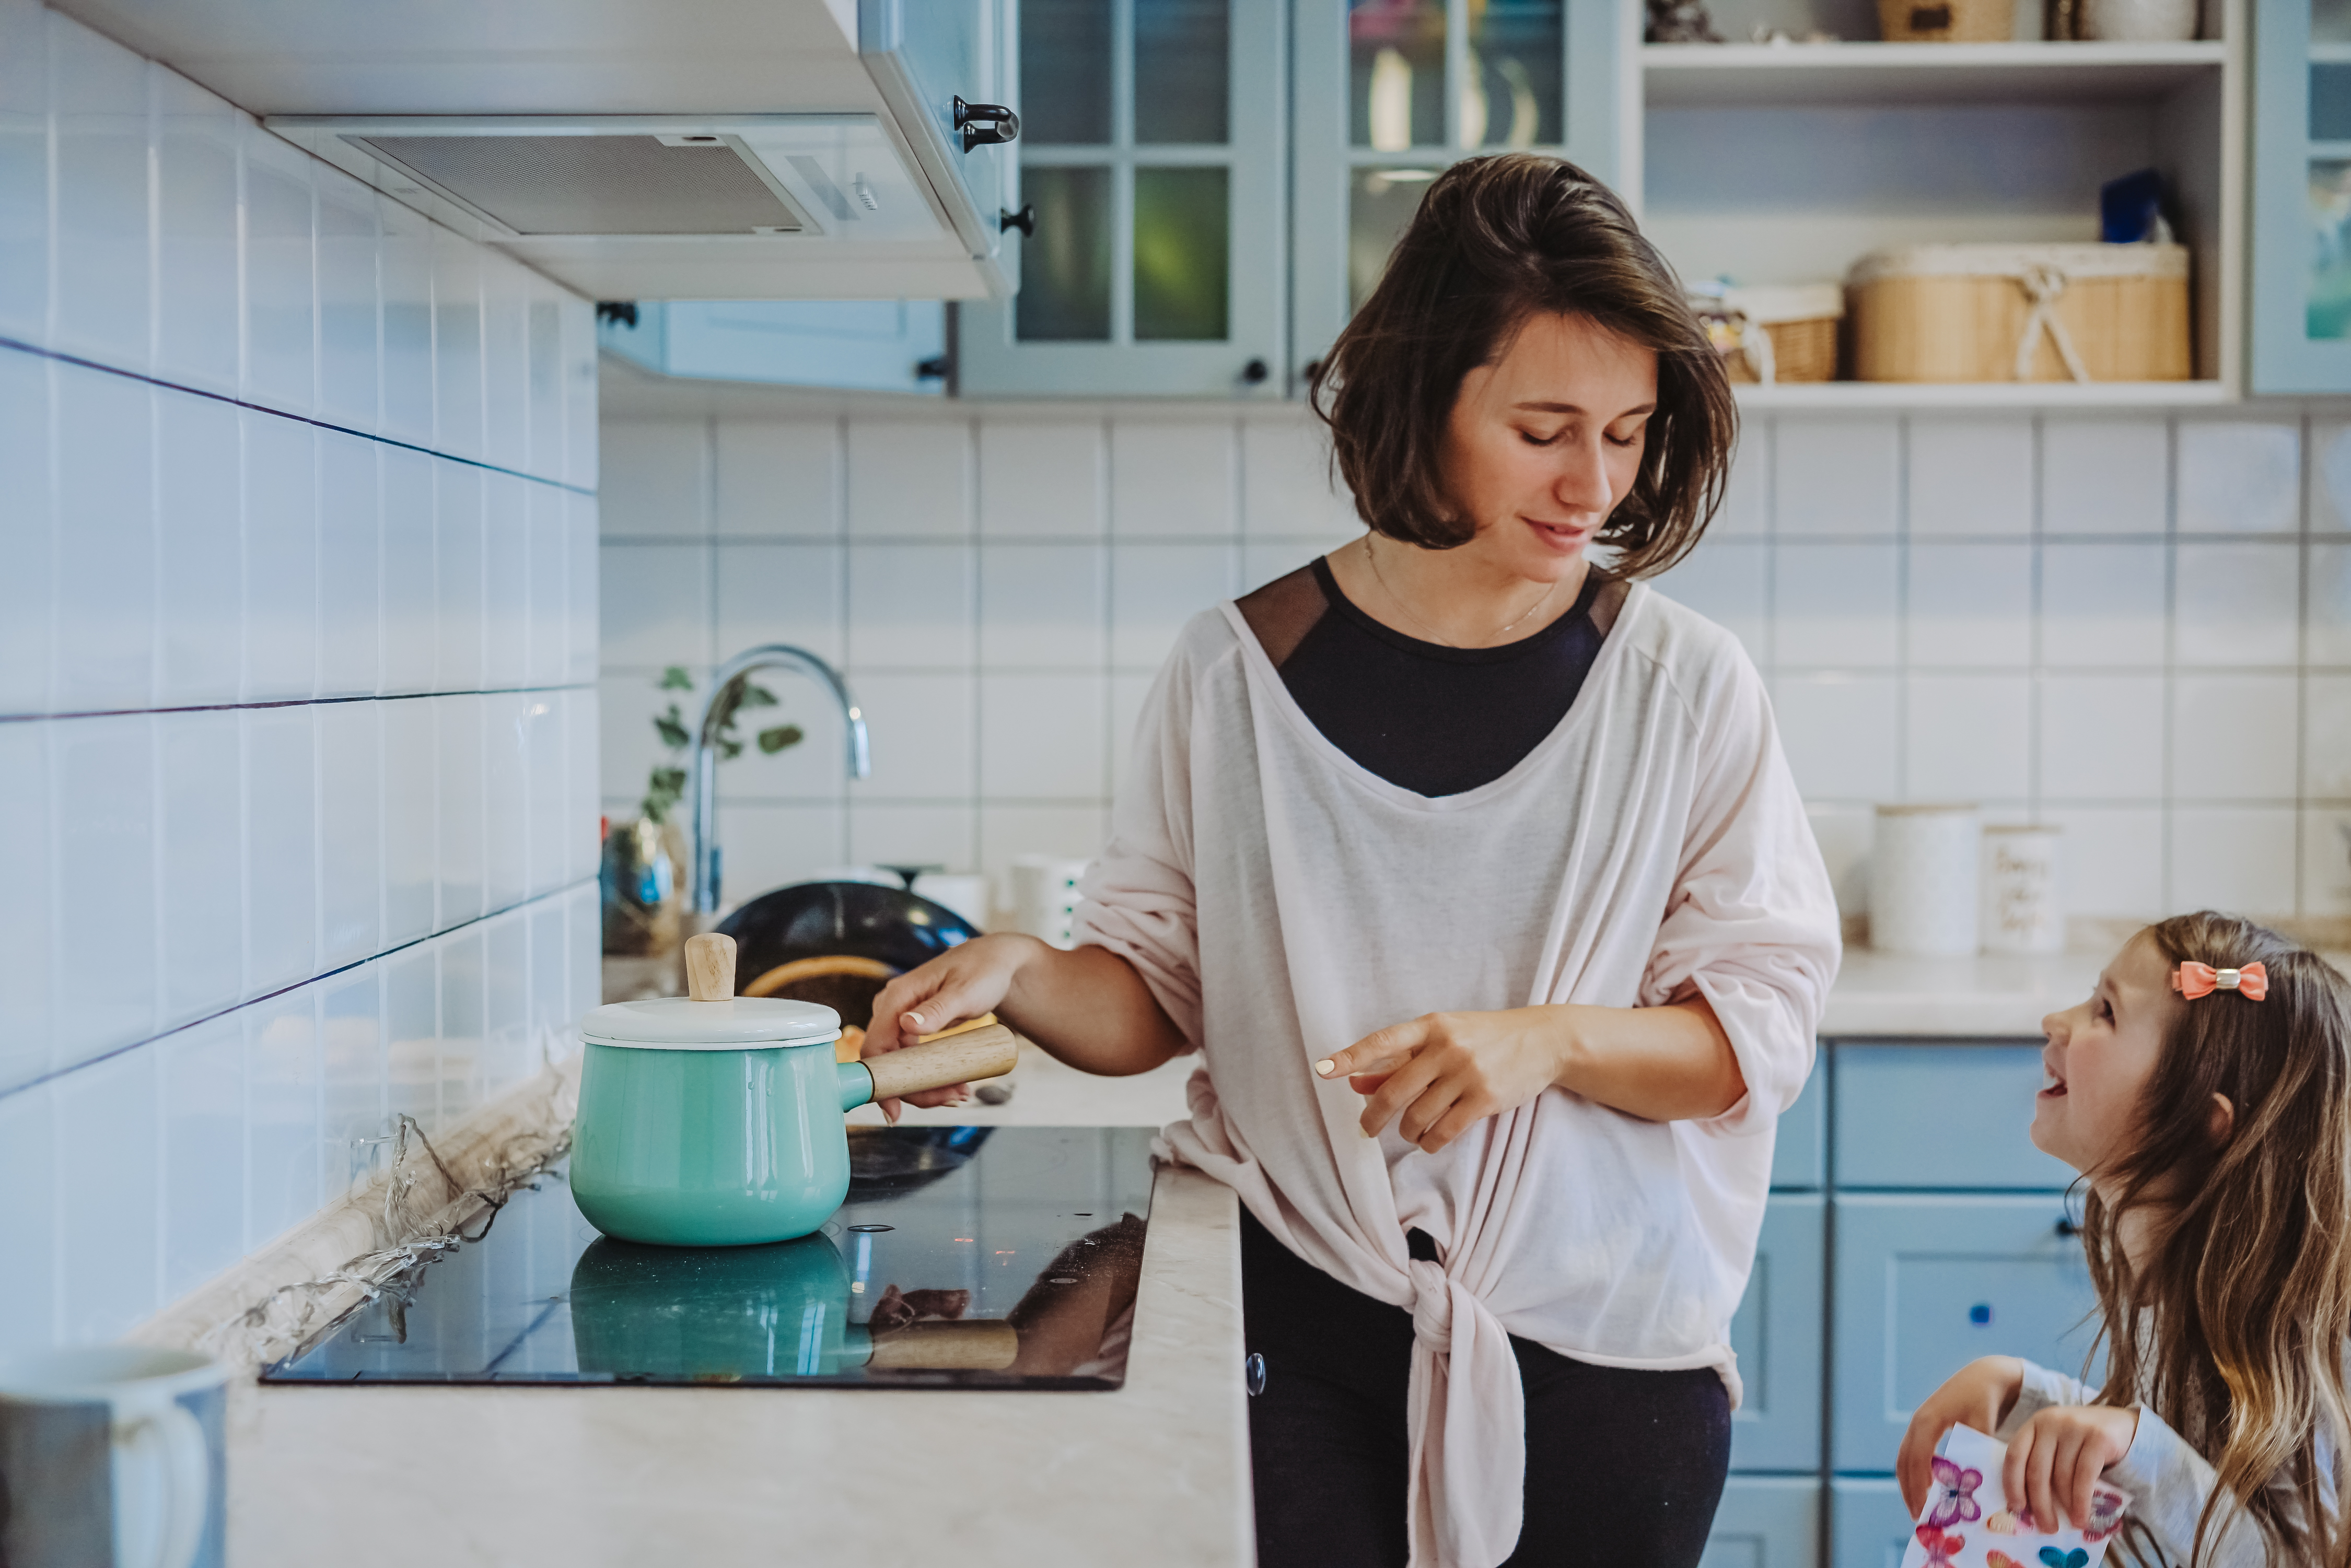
[{"x": 715, "y": 1121}]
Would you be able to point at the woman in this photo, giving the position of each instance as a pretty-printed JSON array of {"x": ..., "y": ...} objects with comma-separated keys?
[{"x": 1475, "y": 875}]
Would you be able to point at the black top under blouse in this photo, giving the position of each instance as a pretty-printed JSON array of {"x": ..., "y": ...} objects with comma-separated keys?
[{"x": 1434, "y": 719}]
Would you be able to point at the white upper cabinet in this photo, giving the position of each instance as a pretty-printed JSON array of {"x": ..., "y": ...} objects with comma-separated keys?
[
  {"x": 1151, "y": 169},
  {"x": 2301, "y": 197}
]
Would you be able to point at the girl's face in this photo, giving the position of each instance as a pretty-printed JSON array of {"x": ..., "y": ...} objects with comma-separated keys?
[
  {"x": 1545, "y": 442},
  {"x": 2099, "y": 1058}
]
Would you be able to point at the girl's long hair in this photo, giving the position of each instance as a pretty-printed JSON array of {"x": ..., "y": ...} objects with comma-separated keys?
[{"x": 2234, "y": 1329}]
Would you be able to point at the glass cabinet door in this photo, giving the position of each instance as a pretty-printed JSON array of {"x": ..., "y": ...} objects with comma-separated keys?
[
  {"x": 2301, "y": 197},
  {"x": 1152, "y": 158},
  {"x": 1389, "y": 92}
]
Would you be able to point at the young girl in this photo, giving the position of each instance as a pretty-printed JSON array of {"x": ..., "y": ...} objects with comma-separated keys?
[{"x": 2204, "y": 1092}]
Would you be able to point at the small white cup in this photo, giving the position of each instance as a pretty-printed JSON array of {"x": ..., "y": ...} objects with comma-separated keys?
[{"x": 112, "y": 1457}]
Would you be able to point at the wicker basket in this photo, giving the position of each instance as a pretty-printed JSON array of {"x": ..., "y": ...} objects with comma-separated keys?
[
  {"x": 2021, "y": 312},
  {"x": 1946, "y": 21},
  {"x": 1785, "y": 333}
]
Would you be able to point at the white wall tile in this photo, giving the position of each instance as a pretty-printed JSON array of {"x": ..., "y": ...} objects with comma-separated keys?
[
  {"x": 2237, "y": 604},
  {"x": 2328, "y": 640},
  {"x": 2330, "y": 476},
  {"x": 1835, "y": 605},
  {"x": 924, "y": 731},
  {"x": 545, "y": 460},
  {"x": 2111, "y": 861},
  {"x": 1168, "y": 477},
  {"x": 27, "y": 525},
  {"x": 404, "y": 279},
  {"x": 549, "y": 574},
  {"x": 352, "y": 776},
  {"x": 200, "y": 580},
  {"x": 462, "y": 813},
  {"x": 2238, "y": 476},
  {"x": 349, "y": 379},
  {"x": 108, "y": 1196},
  {"x": 780, "y": 478},
  {"x": 102, "y": 787},
  {"x": 411, "y": 1032},
  {"x": 505, "y": 360},
  {"x": 505, "y": 757},
  {"x": 506, "y": 582},
  {"x": 457, "y": 428},
  {"x": 506, "y": 1058},
  {"x": 1154, "y": 589},
  {"x": 1264, "y": 561},
  {"x": 196, "y": 243},
  {"x": 2232, "y": 738},
  {"x": 1970, "y": 475},
  {"x": 656, "y": 605},
  {"x": 409, "y": 598},
  {"x": 281, "y": 558},
  {"x": 411, "y": 806},
  {"x": 1970, "y": 737},
  {"x": 29, "y": 1226},
  {"x": 1041, "y": 478},
  {"x": 104, "y": 244},
  {"x": 1836, "y": 476},
  {"x": 350, "y": 1074},
  {"x": 1042, "y": 605},
  {"x": 203, "y": 1107},
  {"x": 581, "y": 842},
  {"x": 1127, "y": 695},
  {"x": 1727, "y": 580},
  {"x": 1970, "y": 605},
  {"x": 1845, "y": 834},
  {"x": 546, "y": 719},
  {"x": 280, "y": 281},
  {"x": 350, "y": 566},
  {"x": 586, "y": 566},
  {"x": 2103, "y": 604},
  {"x": 1746, "y": 510},
  {"x": 27, "y": 919},
  {"x": 884, "y": 834},
  {"x": 2102, "y": 738},
  {"x": 1842, "y": 734},
  {"x": 911, "y": 606},
  {"x": 910, "y": 478},
  {"x": 283, "y": 1076},
  {"x": 627, "y": 747},
  {"x": 281, "y": 878},
  {"x": 24, "y": 170},
  {"x": 1043, "y": 736},
  {"x": 459, "y": 577},
  {"x": 464, "y": 998},
  {"x": 789, "y": 593},
  {"x": 769, "y": 845},
  {"x": 1007, "y": 832},
  {"x": 550, "y": 994},
  {"x": 580, "y": 464},
  {"x": 817, "y": 768},
  {"x": 1288, "y": 486},
  {"x": 2105, "y": 476},
  {"x": 2327, "y": 861},
  {"x": 2326, "y": 737},
  {"x": 201, "y": 888},
  {"x": 2240, "y": 860},
  {"x": 106, "y": 542}
]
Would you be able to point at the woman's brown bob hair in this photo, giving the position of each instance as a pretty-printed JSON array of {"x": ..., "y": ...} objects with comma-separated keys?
[{"x": 1498, "y": 239}]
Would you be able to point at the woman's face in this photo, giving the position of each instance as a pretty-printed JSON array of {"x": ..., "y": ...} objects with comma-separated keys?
[
  {"x": 1545, "y": 441},
  {"x": 2099, "y": 1058}
]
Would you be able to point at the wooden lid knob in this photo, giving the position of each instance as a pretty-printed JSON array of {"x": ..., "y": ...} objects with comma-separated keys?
[{"x": 710, "y": 968}]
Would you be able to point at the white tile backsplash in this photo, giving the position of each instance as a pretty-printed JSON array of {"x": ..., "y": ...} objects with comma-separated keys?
[
  {"x": 2240, "y": 858},
  {"x": 281, "y": 847},
  {"x": 2102, "y": 738},
  {"x": 102, "y": 213},
  {"x": 2237, "y": 604},
  {"x": 2112, "y": 860},
  {"x": 1837, "y": 477},
  {"x": 789, "y": 593},
  {"x": 2326, "y": 737},
  {"x": 2105, "y": 476},
  {"x": 1041, "y": 479},
  {"x": 781, "y": 479},
  {"x": 911, "y": 606},
  {"x": 2234, "y": 736},
  {"x": 105, "y": 578},
  {"x": 1042, "y": 737},
  {"x": 1043, "y": 605},
  {"x": 1154, "y": 589},
  {"x": 1174, "y": 477},
  {"x": 2328, "y": 638},
  {"x": 1972, "y": 476},
  {"x": 2239, "y": 476},
  {"x": 196, "y": 156},
  {"x": 924, "y": 733},
  {"x": 2104, "y": 605},
  {"x": 1842, "y": 734},
  {"x": 1836, "y": 605},
  {"x": 659, "y": 480},
  {"x": 1288, "y": 484},
  {"x": 1970, "y": 605},
  {"x": 281, "y": 558},
  {"x": 109, "y": 1191},
  {"x": 200, "y": 580},
  {"x": 102, "y": 835},
  {"x": 27, "y": 525},
  {"x": 281, "y": 275},
  {"x": 913, "y": 478},
  {"x": 2330, "y": 476},
  {"x": 1970, "y": 737},
  {"x": 24, "y": 173},
  {"x": 202, "y": 881}
]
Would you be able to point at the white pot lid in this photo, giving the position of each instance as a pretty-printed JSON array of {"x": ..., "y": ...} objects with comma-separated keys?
[{"x": 673, "y": 1023}]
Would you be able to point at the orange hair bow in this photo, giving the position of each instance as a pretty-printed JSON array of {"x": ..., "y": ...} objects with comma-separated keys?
[{"x": 2192, "y": 980}]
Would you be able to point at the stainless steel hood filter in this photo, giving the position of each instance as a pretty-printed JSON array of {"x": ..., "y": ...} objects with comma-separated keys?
[{"x": 558, "y": 184}]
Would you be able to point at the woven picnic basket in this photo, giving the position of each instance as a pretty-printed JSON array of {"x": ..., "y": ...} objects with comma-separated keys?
[{"x": 2021, "y": 313}]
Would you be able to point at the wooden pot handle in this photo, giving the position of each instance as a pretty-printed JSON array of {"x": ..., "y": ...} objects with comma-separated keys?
[
  {"x": 989, "y": 1053},
  {"x": 710, "y": 967}
]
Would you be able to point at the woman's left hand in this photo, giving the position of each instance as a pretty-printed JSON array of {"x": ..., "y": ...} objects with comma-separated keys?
[
  {"x": 1440, "y": 1073},
  {"x": 2056, "y": 1457}
]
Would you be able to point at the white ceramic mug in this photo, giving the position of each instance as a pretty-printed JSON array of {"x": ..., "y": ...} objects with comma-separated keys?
[{"x": 112, "y": 1457}]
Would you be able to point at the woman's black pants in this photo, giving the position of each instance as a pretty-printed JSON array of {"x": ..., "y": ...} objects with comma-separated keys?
[{"x": 1624, "y": 1468}]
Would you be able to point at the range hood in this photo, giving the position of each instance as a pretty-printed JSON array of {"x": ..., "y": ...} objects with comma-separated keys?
[{"x": 715, "y": 149}]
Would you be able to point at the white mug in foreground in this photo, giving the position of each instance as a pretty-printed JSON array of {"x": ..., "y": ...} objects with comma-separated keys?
[
  {"x": 112, "y": 1457},
  {"x": 1922, "y": 881}
]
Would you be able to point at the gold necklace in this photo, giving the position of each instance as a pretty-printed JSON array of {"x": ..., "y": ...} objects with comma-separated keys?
[{"x": 1398, "y": 600}]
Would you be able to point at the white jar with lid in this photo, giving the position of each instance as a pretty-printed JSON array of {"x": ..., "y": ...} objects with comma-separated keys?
[
  {"x": 2022, "y": 910},
  {"x": 1923, "y": 880}
]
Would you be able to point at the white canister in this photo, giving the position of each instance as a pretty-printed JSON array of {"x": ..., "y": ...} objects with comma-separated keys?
[
  {"x": 2140, "y": 21},
  {"x": 1922, "y": 879},
  {"x": 1045, "y": 897},
  {"x": 2022, "y": 910}
]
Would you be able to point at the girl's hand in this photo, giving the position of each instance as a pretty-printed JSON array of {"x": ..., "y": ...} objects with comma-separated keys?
[
  {"x": 1979, "y": 1395},
  {"x": 961, "y": 983},
  {"x": 2056, "y": 1457},
  {"x": 1438, "y": 1074}
]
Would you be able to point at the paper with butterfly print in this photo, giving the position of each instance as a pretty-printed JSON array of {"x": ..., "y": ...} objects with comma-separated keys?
[{"x": 1967, "y": 1521}]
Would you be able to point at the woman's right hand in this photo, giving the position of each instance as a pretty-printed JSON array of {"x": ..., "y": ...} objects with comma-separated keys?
[
  {"x": 1980, "y": 1395},
  {"x": 961, "y": 983}
]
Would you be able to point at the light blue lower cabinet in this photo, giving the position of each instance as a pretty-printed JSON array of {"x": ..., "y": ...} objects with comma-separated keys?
[
  {"x": 1940, "y": 1117},
  {"x": 1766, "y": 1522},
  {"x": 1868, "y": 1526},
  {"x": 1924, "y": 1282},
  {"x": 1800, "y": 1145},
  {"x": 1777, "y": 1337}
]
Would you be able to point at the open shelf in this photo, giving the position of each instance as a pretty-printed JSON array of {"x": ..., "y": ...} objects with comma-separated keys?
[
  {"x": 1795, "y": 397},
  {"x": 1689, "y": 75}
]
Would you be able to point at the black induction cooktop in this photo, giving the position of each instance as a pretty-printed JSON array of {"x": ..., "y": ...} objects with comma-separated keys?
[{"x": 964, "y": 1258}]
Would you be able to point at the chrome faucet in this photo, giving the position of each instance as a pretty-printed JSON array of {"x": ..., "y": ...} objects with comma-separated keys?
[{"x": 772, "y": 655}]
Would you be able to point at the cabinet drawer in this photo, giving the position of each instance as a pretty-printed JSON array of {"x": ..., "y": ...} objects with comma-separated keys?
[
  {"x": 1777, "y": 1336},
  {"x": 1766, "y": 1522},
  {"x": 1924, "y": 1285},
  {"x": 1868, "y": 1526},
  {"x": 1800, "y": 1146},
  {"x": 1941, "y": 1117}
]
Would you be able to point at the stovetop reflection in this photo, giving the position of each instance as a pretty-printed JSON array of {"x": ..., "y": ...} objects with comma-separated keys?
[{"x": 966, "y": 1257}]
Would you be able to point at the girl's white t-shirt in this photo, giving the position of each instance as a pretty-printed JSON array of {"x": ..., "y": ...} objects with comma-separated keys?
[{"x": 1282, "y": 903}]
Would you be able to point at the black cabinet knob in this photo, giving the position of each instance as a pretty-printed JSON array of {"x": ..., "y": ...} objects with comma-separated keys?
[
  {"x": 2066, "y": 1227},
  {"x": 935, "y": 368},
  {"x": 1255, "y": 371},
  {"x": 985, "y": 124},
  {"x": 1253, "y": 1375},
  {"x": 623, "y": 311},
  {"x": 1025, "y": 220}
]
